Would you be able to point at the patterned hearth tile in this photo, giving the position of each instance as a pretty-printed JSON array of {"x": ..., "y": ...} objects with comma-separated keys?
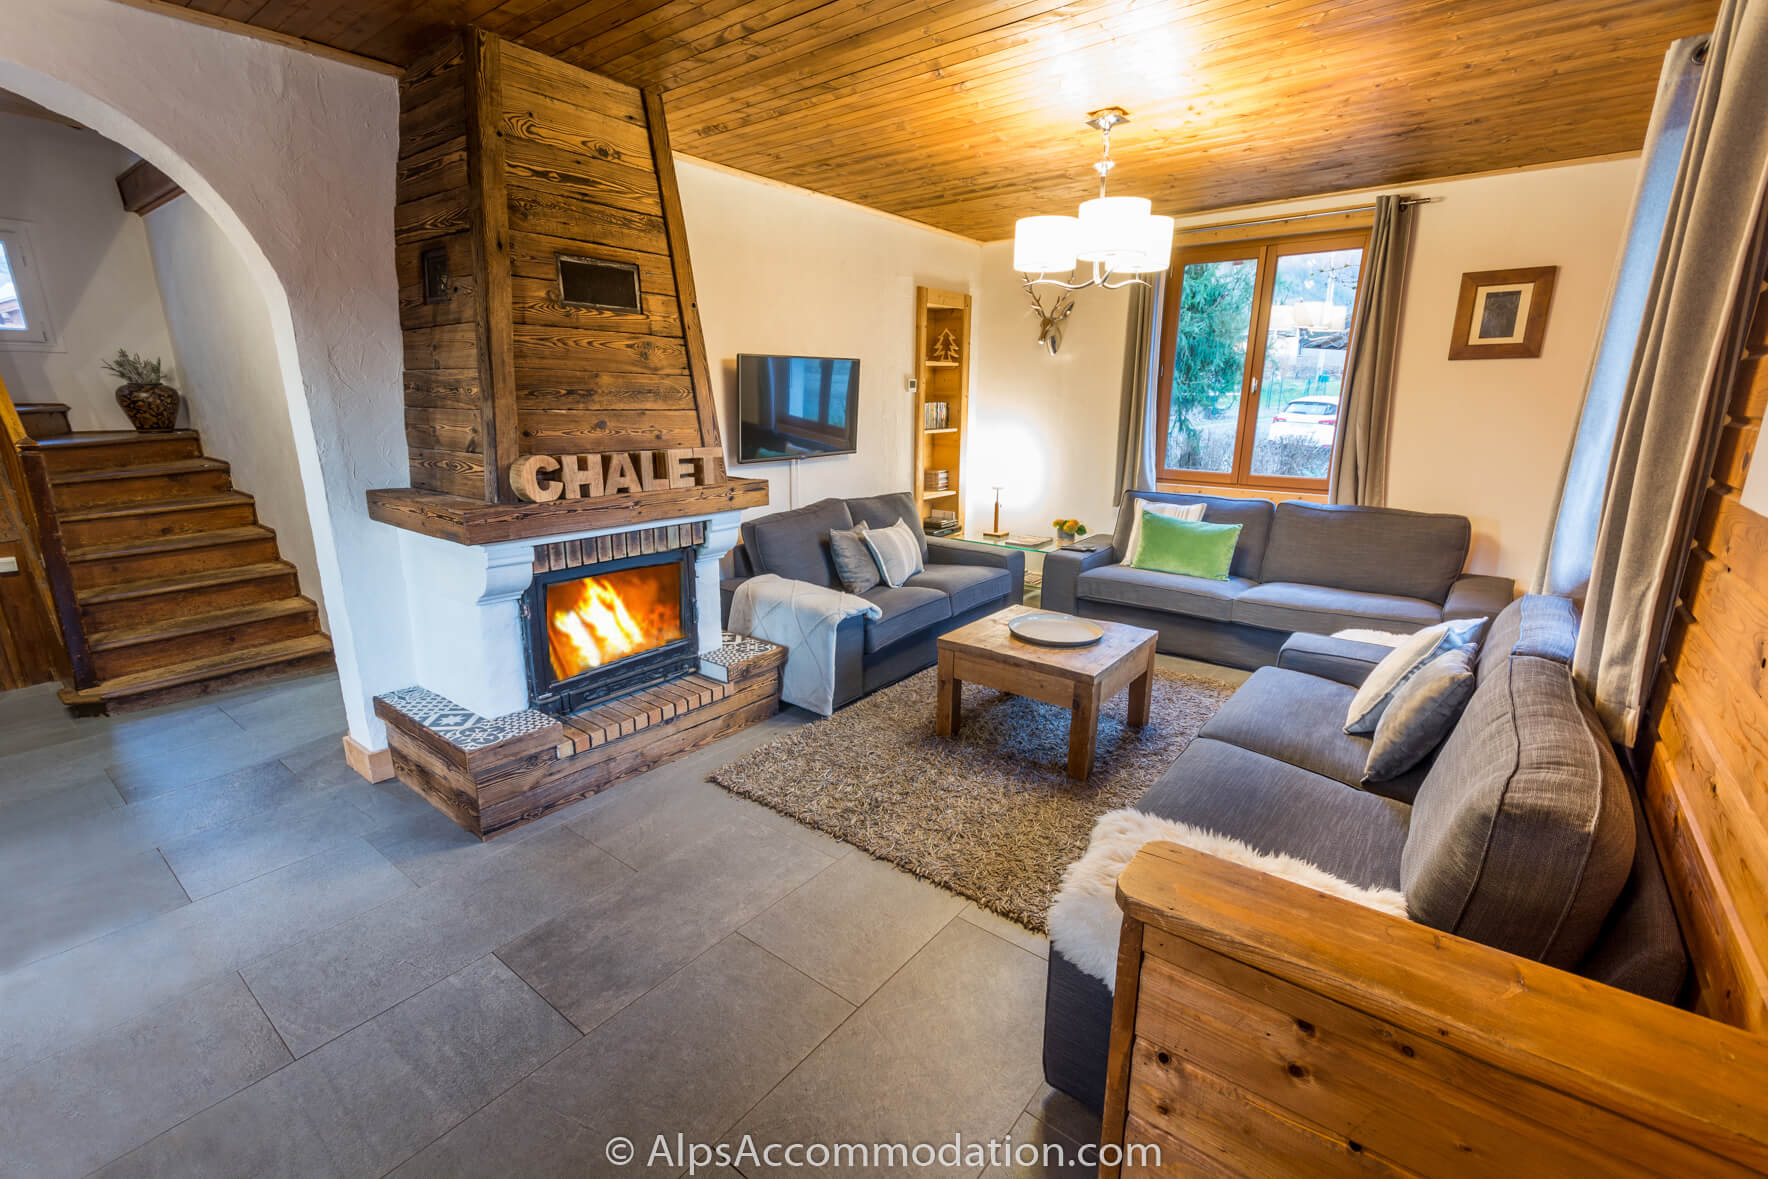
[
  {"x": 735, "y": 649},
  {"x": 461, "y": 727}
]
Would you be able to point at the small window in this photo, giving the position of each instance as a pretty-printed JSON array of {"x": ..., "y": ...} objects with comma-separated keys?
[
  {"x": 24, "y": 315},
  {"x": 591, "y": 282}
]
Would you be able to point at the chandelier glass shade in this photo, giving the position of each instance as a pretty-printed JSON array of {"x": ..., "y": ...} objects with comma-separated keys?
[{"x": 1116, "y": 235}]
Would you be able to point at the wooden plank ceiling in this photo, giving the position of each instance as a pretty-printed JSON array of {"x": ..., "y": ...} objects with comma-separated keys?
[{"x": 967, "y": 115}]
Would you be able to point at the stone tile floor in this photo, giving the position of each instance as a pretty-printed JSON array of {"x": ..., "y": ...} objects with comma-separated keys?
[{"x": 224, "y": 954}]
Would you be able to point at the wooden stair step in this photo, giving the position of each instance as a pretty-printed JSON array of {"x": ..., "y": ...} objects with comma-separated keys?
[
  {"x": 198, "y": 677},
  {"x": 140, "y": 471},
  {"x": 130, "y": 649},
  {"x": 201, "y": 513},
  {"x": 118, "y": 511},
  {"x": 183, "y": 582},
  {"x": 43, "y": 419},
  {"x": 117, "y": 561},
  {"x": 196, "y": 591},
  {"x": 147, "y": 484},
  {"x": 195, "y": 624},
  {"x": 88, "y": 450},
  {"x": 110, "y": 550}
]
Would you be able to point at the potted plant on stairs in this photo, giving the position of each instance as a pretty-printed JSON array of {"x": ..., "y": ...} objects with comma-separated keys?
[{"x": 150, "y": 403}]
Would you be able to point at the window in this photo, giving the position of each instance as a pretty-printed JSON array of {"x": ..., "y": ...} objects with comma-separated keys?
[
  {"x": 24, "y": 316},
  {"x": 1252, "y": 360}
]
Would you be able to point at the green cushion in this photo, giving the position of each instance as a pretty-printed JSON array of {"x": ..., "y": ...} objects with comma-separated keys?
[{"x": 1191, "y": 547}]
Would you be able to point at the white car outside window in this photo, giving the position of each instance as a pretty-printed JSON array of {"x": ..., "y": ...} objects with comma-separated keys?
[{"x": 1314, "y": 419}]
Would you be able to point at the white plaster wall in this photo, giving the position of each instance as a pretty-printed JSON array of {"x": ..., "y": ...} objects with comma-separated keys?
[
  {"x": 93, "y": 265},
  {"x": 1046, "y": 426},
  {"x": 1485, "y": 438},
  {"x": 1755, "y": 491},
  {"x": 293, "y": 157},
  {"x": 229, "y": 375},
  {"x": 783, "y": 271}
]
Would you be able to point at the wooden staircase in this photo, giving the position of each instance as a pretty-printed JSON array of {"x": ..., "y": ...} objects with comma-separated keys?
[{"x": 180, "y": 591}]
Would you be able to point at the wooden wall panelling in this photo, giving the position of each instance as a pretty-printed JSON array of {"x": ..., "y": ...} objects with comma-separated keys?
[
  {"x": 1706, "y": 781},
  {"x": 487, "y": 184},
  {"x": 676, "y": 225},
  {"x": 443, "y": 350},
  {"x": 584, "y": 180},
  {"x": 510, "y": 161}
]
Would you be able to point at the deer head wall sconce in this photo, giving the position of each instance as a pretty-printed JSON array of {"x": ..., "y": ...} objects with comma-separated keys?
[{"x": 1050, "y": 323}]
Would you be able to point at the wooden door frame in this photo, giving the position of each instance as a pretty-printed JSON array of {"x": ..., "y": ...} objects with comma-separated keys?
[{"x": 1264, "y": 252}]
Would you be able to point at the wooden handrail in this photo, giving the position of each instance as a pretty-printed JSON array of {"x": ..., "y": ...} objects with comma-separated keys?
[{"x": 27, "y": 471}]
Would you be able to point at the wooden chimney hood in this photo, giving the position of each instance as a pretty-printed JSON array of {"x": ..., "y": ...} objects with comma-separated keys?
[{"x": 547, "y": 304}]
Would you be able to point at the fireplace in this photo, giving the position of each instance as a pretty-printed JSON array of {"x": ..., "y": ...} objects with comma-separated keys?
[{"x": 593, "y": 632}]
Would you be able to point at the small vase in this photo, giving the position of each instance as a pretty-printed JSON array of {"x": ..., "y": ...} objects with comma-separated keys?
[
  {"x": 150, "y": 408},
  {"x": 1066, "y": 536}
]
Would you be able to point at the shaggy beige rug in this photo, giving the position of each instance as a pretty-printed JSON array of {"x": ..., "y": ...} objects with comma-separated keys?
[{"x": 990, "y": 814}]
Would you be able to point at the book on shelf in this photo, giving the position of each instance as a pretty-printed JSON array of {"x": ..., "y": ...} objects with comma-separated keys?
[{"x": 934, "y": 415}]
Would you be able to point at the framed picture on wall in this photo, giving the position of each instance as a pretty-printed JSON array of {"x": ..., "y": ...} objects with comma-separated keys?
[{"x": 1502, "y": 314}]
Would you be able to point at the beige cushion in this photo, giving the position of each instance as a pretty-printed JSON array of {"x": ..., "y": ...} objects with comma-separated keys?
[
  {"x": 1400, "y": 665},
  {"x": 897, "y": 550}
]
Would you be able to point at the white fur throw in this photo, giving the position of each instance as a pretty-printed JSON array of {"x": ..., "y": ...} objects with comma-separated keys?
[
  {"x": 1085, "y": 919},
  {"x": 1385, "y": 638}
]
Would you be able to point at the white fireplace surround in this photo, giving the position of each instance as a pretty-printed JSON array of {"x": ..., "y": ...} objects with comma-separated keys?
[{"x": 465, "y": 604}]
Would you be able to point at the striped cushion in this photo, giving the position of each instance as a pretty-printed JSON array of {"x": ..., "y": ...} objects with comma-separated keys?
[{"x": 897, "y": 551}]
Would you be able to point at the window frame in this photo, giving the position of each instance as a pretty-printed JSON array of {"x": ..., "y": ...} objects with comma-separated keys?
[
  {"x": 25, "y": 263},
  {"x": 1264, "y": 252}
]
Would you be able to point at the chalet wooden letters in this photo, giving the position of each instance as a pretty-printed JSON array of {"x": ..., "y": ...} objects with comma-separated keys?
[{"x": 542, "y": 478}]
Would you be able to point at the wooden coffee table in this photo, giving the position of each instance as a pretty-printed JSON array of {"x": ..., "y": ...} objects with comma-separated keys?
[{"x": 1077, "y": 678}]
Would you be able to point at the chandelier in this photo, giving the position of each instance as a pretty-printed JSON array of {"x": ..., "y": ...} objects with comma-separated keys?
[{"x": 1120, "y": 236}]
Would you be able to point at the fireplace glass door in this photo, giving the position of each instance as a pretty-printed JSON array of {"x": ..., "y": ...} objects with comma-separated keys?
[{"x": 609, "y": 629}]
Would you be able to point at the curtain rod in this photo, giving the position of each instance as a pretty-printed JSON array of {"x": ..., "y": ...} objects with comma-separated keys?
[{"x": 1303, "y": 216}]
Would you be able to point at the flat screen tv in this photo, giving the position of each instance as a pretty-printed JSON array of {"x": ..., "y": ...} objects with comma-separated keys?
[{"x": 796, "y": 407}]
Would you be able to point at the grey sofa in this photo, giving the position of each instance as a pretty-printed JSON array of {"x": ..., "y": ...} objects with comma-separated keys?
[
  {"x": 961, "y": 582},
  {"x": 1523, "y": 833},
  {"x": 1297, "y": 567}
]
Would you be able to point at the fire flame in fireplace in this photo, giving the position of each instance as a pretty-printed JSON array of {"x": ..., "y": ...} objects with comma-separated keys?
[{"x": 595, "y": 620}]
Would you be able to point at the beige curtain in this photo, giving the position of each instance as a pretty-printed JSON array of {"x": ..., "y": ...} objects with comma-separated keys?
[
  {"x": 1137, "y": 460},
  {"x": 1692, "y": 332},
  {"x": 1570, "y": 547},
  {"x": 1359, "y": 461}
]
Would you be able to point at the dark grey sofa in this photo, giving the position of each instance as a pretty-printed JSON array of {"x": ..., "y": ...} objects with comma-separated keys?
[
  {"x": 1297, "y": 567},
  {"x": 960, "y": 583},
  {"x": 1523, "y": 833}
]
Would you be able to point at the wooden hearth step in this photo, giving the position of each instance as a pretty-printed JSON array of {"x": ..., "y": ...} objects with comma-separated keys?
[
  {"x": 132, "y": 559},
  {"x": 614, "y": 719},
  {"x": 129, "y": 649},
  {"x": 199, "y": 677}
]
